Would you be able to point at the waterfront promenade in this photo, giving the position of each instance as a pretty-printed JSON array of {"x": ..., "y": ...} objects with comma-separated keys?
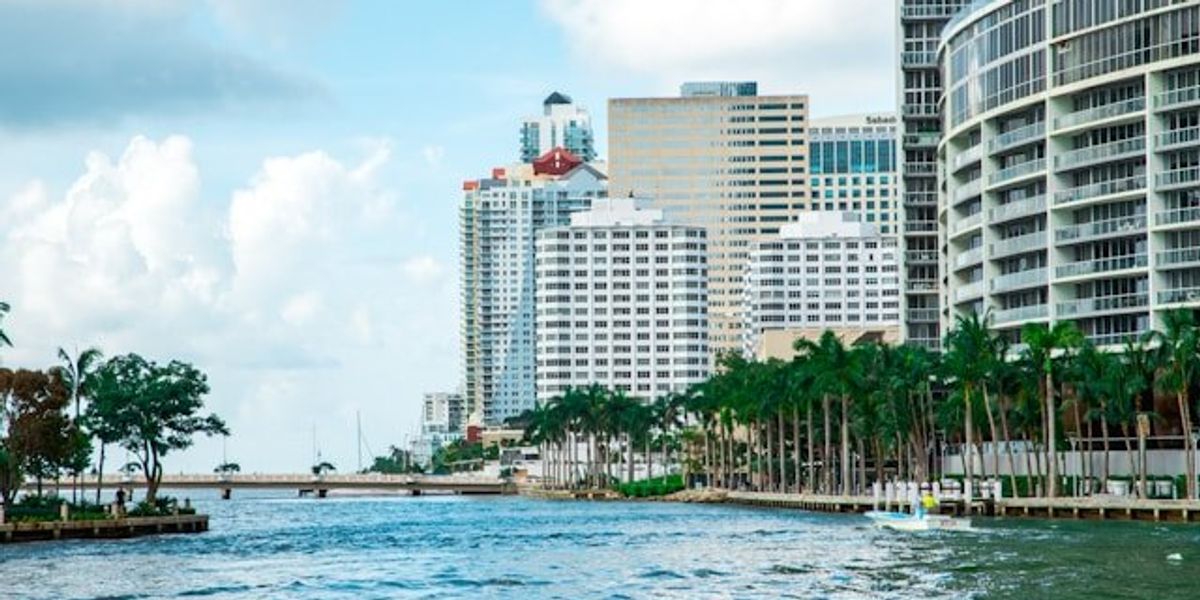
[{"x": 318, "y": 484}]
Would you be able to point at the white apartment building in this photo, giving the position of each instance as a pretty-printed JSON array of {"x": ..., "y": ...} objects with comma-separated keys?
[
  {"x": 442, "y": 412},
  {"x": 852, "y": 166},
  {"x": 621, "y": 302},
  {"x": 829, "y": 271},
  {"x": 562, "y": 124},
  {"x": 499, "y": 220}
]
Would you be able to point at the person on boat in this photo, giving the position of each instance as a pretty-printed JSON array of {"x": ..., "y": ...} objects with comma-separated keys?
[{"x": 929, "y": 504}]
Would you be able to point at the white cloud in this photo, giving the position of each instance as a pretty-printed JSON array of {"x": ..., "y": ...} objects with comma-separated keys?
[
  {"x": 433, "y": 155},
  {"x": 277, "y": 291},
  {"x": 840, "y": 52}
]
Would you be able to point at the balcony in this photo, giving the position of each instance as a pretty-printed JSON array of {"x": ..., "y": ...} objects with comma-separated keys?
[
  {"x": 970, "y": 291},
  {"x": 1177, "y": 98},
  {"x": 967, "y": 190},
  {"x": 1100, "y": 113},
  {"x": 1102, "y": 265},
  {"x": 929, "y": 11},
  {"x": 966, "y": 223},
  {"x": 969, "y": 156},
  {"x": 921, "y": 257},
  {"x": 920, "y": 198},
  {"x": 1016, "y": 137},
  {"x": 1114, "y": 339},
  {"x": 922, "y": 315},
  {"x": 920, "y": 110},
  {"x": 1177, "y": 216},
  {"x": 1102, "y": 304},
  {"x": 1179, "y": 295},
  {"x": 1177, "y": 138},
  {"x": 1177, "y": 178},
  {"x": 1099, "y": 153},
  {"x": 917, "y": 169},
  {"x": 1101, "y": 189},
  {"x": 921, "y": 286},
  {"x": 1017, "y": 171},
  {"x": 1020, "y": 280},
  {"x": 1021, "y": 313},
  {"x": 1022, "y": 243},
  {"x": 918, "y": 59},
  {"x": 1178, "y": 257},
  {"x": 931, "y": 344},
  {"x": 925, "y": 139},
  {"x": 969, "y": 258},
  {"x": 921, "y": 227},
  {"x": 1017, "y": 209},
  {"x": 1085, "y": 231}
]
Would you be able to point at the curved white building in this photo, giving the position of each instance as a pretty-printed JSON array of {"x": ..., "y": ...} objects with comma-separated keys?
[{"x": 1069, "y": 164}]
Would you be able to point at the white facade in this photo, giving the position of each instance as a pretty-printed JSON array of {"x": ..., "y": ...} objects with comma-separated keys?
[
  {"x": 500, "y": 217},
  {"x": 622, "y": 302},
  {"x": 442, "y": 412},
  {"x": 827, "y": 271},
  {"x": 561, "y": 124},
  {"x": 852, "y": 166}
]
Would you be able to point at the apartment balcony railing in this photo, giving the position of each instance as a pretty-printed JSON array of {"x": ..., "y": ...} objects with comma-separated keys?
[
  {"x": 1170, "y": 140},
  {"x": 1173, "y": 98},
  {"x": 969, "y": 156},
  {"x": 968, "y": 222},
  {"x": 1100, "y": 153},
  {"x": 925, "y": 139},
  {"x": 1177, "y": 178},
  {"x": 920, "y": 198},
  {"x": 1102, "y": 265},
  {"x": 1100, "y": 113},
  {"x": 929, "y": 11},
  {"x": 1178, "y": 256},
  {"x": 1103, "y": 188},
  {"x": 922, "y": 315},
  {"x": 1085, "y": 231},
  {"x": 921, "y": 285},
  {"x": 920, "y": 110},
  {"x": 969, "y": 291},
  {"x": 1017, "y": 209},
  {"x": 1114, "y": 339},
  {"x": 1021, "y": 243},
  {"x": 921, "y": 227},
  {"x": 921, "y": 257},
  {"x": 967, "y": 190},
  {"x": 920, "y": 168},
  {"x": 1020, "y": 279},
  {"x": 1021, "y": 313},
  {"x": 1017, "y": 171},
  {"x": 1179, "y": 295},
  {"x": 1177, "y": 215},
  {"x": 1016, "y": 137},
  {"x": 918, "y": 59},
  {"x": 970, "y": 257},
  {"x": 1090, "y": 306}
]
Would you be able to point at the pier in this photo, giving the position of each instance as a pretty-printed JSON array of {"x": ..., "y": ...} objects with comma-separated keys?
[
  {"x": 123, "y": 527},
  {"x": 319, "y": 485}
]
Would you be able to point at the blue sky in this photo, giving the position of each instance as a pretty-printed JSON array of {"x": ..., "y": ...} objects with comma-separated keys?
[{"x": 268, "y": 188}]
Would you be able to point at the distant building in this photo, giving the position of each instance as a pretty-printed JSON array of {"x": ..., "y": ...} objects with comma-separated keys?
[
  {"x": 621, "y": 302},
  {"x": 852, "y": 160},
  {"x": 716, "y": 158},
  {"x": 500, "y": 217},
  {"x": 443, "y": 412},
  {"x": 827, "y": 271},
  {"x": 562, "y": 124}
]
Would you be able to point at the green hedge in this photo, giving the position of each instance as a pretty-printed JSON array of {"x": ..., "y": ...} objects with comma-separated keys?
[{"x": 649, "y": 488}]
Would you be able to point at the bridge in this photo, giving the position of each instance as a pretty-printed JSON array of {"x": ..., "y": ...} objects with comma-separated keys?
[{"x": 319, "y": 485}]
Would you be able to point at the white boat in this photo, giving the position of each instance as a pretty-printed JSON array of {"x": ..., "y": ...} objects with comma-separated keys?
[{"x": 907, "y": 522}]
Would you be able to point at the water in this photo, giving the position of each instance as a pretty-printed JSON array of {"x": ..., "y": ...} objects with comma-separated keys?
[{"x": 276, "y": 546}]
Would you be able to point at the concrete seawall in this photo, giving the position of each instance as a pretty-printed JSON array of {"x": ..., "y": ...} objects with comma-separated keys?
[{"x": 102, "y": 529}]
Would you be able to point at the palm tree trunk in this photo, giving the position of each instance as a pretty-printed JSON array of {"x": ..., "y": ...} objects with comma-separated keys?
[
  {"x": 750, "y": 441},
  {"x": 796, "y": 446},
  {"x": 1008, "y": 450},
  {"x": 770, "y": 456},
  {"x": 968, "y": 433},
  {"x": 987, "y": 405},
  {"x": 100, "y": 472},
  {"x": 846, "y": 464},
  {"x": 811, "y": 482},
  {"x": 1185, "y": 415},
  {"x": 1104, "y": 436},
  {"x": 827, "y": 456},
  {"x": 1133, "y": 468},
  {"x": 782, "y": 486},
  {"x": 1051, "y": 438}
]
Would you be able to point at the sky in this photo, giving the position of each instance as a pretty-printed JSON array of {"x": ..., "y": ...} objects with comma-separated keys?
[{"x": 269, "y": 188}]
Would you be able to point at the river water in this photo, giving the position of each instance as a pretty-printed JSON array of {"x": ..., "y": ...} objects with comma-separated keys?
[{"x": 277, "y": 546}]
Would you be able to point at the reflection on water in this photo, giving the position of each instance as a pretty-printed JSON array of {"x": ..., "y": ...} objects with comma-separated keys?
[{"x": 272, "y": 546}]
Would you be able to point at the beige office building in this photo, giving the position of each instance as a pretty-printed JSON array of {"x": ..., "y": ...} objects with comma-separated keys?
[{"x": 721, "y": 157}]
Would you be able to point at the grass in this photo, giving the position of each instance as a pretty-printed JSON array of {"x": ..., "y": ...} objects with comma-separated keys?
[{"x": 651, "y": 488}]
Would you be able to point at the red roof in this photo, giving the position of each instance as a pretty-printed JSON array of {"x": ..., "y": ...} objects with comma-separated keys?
[{"x": 558, "y": 161}]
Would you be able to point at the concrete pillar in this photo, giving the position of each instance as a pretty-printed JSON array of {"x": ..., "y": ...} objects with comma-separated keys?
[
  {"x": 322, "y": 493},
  {"x": 997, "y": 490},
  {"x": 876, "y": 495},
  {"x": 967, "y": 496},
  {"x": 64, "y": 512},
  {"x": 226, "y": 493},
  {"x": 889, "y": 495}
]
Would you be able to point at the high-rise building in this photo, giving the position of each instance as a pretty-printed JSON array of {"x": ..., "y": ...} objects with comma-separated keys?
[
  {"x": 693, "y": 89},
  {"x": 920, "y": 90},
  {"x": 852, "y": 160},
  {"x": 621, "y": 302},
  {"x": 442, "y": 412},
  {"x": 828, "y": 271},
  {"x": 1071, "y": 163},
  {"x": 562, "y": 124},
  {"x": 499, "y": 220},
  {"x": 734, "y": 164}
]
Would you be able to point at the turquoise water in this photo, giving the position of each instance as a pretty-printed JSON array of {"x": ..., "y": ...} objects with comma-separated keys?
[{"x": 276, "y": 546}]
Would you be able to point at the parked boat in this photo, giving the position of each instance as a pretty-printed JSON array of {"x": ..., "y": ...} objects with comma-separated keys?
[{"x": 906, "y": 522}]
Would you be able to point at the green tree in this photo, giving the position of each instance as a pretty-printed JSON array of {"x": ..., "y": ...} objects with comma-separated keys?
[
  {"x": 1179, "y": 365},
  {"x": 1043, "y": 344},
  {"x": 152, "y": 410},
  {"x": 38, "y": 434}
]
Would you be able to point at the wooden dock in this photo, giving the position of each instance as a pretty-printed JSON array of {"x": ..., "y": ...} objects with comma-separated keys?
[
  {"x": 1102, "y": 508},
  {"x": 124, "y": 527}
]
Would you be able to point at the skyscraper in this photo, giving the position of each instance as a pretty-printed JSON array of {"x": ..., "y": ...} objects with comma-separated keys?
[
  {"x": 920, "y": 89},
  {"x": 734, "y": 164},
  {"x": 499, "y": 220},
  {"x": 562, "y": 124},
  {"x": 853, "y": 165}
]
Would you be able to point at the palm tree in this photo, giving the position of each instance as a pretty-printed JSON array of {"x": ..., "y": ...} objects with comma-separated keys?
[
  {"x": 4, "y": 341},
  {"x": 970, "y": 354},
  {"x": 1179, "y": 360},
  {"x": 1042, "y": 343}
]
